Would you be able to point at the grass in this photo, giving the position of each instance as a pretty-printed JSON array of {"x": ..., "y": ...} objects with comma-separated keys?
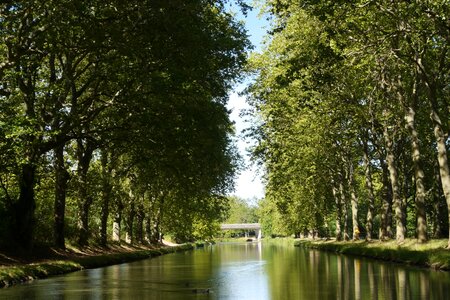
[
  {"x": 431, "y": 254},
  {"x": 21, "y": 272}
]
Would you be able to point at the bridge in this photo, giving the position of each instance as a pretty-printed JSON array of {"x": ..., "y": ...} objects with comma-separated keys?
[{"x": 253, "y": 226}]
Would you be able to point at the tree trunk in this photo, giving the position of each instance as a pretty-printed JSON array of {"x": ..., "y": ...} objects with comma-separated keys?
[
  {"x": 370, "y": 193},
  {"x": 440, "y": 211},
  {"x": 24, "y": 208},
  {"x": 116, "y": 226},
  {"x": 61, "y": 179},
  {"x": 444, "y": 171},
  {"x": 84, "y": 200},
  {"x": 337, "y": 200},
  {"x": 386, "y": 215},
  {"x": 156, "y": 227},
  {"x": 418, "y": 177},
  {"x": 396, "y": 199},
  {"x": 344, "y": 210},
  {"x": 129, "y": 238},
  {"x": 83, "y": 221},
  {"x": 354, "y": 201},
  {"x": 439, "y": 133},
  {"x": 140, "y": 216},
  {"x": 106, "y": 197},
  {"x": 148, "y": 230}
]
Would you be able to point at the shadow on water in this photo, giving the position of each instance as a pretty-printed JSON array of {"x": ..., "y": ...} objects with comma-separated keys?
[{"x": 268, "y": 270}]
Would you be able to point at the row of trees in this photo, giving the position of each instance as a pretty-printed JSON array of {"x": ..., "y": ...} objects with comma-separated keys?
[
  {"x": 352, "y": 99},
  {"x": 113, "y": 113}
]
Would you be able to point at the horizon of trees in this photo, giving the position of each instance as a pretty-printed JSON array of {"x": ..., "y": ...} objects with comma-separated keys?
[
  {"x": 113, "y": 119},
  {"x": 352, "y": 103},
  {"x": 240, "y": 211}
]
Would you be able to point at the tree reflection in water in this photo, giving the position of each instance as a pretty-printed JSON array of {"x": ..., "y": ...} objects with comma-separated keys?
[
  {"x": 311, "y": 274},
  {"x": 268, "y": 270}
]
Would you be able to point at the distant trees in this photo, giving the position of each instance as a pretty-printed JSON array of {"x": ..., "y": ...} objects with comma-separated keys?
[
  {"x": 239, "y": 212},
  {"x": 114, "y": 109},
  {"x": 353, "y": 100}
]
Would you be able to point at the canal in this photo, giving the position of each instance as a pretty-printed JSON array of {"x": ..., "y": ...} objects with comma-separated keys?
[{"x": 267, "y": 270}]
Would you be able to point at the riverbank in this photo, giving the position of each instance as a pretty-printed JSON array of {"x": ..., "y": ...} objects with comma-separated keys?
[
  {"x": 432, "y": 254},
  {"x": 18, "y": 269}
]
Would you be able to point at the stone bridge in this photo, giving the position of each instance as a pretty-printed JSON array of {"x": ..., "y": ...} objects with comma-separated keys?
[{"x": 253, "y": 226}]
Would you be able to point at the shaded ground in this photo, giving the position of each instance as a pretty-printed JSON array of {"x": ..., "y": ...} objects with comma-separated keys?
[
  {"x": 42, "y": 262},
  {"x": 44, "y": 253}
]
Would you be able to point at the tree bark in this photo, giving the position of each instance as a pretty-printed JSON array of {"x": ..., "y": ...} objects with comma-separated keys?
[
  {"x": 116, "y": 227},
  {"x": 386, "y": 215},
  {"x": 337, "y": 200},
  {"x": 24, "y": 208},
  {"x": 396, "y": 199},
  {"x": 441, "y": 135},
  {"x": 440, "y": 211},
  {"x": 444, "y": 171},
  {"x": 140, "y": 216},
  {"x": 61, "y": 179},
  {"x": 354, "y": 201},
  {"x": 418, "y": 177},
  {"x": 148, "y": 229},
  {"x": 129, "y": 234},
  {"x": 106, "y": 197},
  {"x": 370, "y": 193},
  {"x": 84, "y": 199},
  {"x": 344, "y": 210}
]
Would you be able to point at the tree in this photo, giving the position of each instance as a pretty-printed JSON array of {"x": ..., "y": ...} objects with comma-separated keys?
[{"x": 90, "y": 75}]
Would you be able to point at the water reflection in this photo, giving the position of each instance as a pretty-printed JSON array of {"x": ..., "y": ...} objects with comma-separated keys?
[
  {"x": 271, "y": 270},
  {"x": 312, "y": 274}
]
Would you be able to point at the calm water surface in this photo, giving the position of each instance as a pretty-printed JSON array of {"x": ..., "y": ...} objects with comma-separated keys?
[{"x": 268, "y": 270}]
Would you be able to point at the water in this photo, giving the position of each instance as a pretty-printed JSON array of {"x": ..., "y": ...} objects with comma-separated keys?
[{"x": 260, "y": 271}]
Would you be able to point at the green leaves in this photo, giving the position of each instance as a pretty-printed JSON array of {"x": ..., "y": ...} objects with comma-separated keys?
[
  {"x": 336, "y": 73},
  {"x": 146, "y": 80}
]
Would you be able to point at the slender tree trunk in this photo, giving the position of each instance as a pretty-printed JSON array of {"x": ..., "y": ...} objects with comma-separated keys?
[
  {"x": 129, "y": 235},
  {"x": 444, "y": 171},
  {"x": 157, "y": 227},
  {"x": 386, "y": 215},
  {"x": 344, "y": 210},
  {"x": 337, "y": 200},
  {"x": 106, "y": 197},
  {"x": 439, "y": 207},
  {"x": 61, "y": 179},
  {"x": 370, "y": 193},
  {"x": 148, "y": 229},
  {"x": 140, "y": 226},
  {"x": 397, "y": 201},
  {"x": 418, "y": 177},
  {"x": 24, "y": 208},
  {"x": 84, "y": 199},
  {"x": 116, "y": 226},
  {"x": 354, "y": 201}
]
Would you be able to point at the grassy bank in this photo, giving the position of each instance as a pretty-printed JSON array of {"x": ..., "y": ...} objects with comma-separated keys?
[
  {"x": 14, "y": 273},
  {"x": 432, "y": 254}
]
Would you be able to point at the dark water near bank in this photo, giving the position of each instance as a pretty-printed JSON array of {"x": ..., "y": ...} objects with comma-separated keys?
[{"x": 243, "y": 271}]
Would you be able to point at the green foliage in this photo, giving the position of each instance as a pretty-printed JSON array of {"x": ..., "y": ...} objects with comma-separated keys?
[
  {"x": 144, "y": 83},
  {"x": 240, "y": 211},
  {"x": 334, "y": 84}
]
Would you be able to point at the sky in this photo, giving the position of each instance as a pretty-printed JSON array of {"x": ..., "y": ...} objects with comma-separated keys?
[{"x": 249, "y": 185}]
